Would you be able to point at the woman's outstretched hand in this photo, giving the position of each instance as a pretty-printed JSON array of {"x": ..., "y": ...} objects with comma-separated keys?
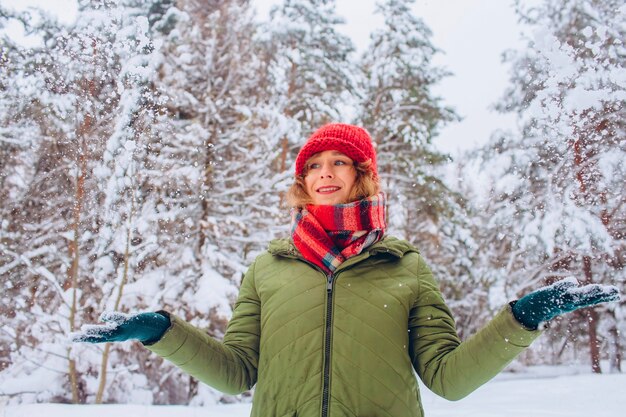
[
  {"x": 561, "y": 297},
  {"x": 145, "y": 327}
]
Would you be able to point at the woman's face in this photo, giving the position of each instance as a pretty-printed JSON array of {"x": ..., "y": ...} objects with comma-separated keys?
[{"x": 330, "y": 178}]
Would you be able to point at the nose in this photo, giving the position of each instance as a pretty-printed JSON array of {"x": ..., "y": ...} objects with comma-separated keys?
[{"x": 326, "y": 171}]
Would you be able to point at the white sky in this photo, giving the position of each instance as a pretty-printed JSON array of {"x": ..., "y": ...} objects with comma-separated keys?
[{"x": 471, "y": 33}]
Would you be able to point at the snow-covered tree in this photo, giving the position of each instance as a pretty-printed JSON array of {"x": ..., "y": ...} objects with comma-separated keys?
[
  {"x": 59, "y": 89},
  {"x": 404, "y": 117},
  {"x": 196, "y": 166},
  {"x": 557, "y": 203},
  {"x": 136, "y": 154},
  {"x": 124, "y": 237},
  {"x": 310, "y": 74},
  {"x": 84, "y": 96}
]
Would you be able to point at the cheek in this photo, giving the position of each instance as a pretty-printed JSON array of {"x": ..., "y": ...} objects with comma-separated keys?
[
  {"x": 308, "y": 183},
  {"x": 350, "y": 179}
]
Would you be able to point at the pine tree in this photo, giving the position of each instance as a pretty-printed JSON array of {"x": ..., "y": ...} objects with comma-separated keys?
[
  {"x": 310, "y": 75},
  {"x": 558, "y": 185},
  {"x": 155, "y": 195},
  {"x": 404, "y": 118},
  {"x": 83, "y": 91},
  {"x": 57, "y": 89},
  {"x": 206, "y": 179},
  {"x": 123, "y": 240}
]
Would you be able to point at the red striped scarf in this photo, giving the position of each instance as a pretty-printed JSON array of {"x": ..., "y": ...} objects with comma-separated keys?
[{"x": 328, "y": 235}]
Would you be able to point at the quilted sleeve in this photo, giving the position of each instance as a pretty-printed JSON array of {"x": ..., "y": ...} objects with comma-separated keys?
[
  {"x": 229, "y": 366},
  {"x": 447, "y": 366}
]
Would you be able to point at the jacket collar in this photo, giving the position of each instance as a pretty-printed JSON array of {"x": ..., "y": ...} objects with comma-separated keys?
[{"x": 389, "y": 245}]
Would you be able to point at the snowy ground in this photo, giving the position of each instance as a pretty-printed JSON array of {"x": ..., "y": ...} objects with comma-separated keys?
[{"x": 541, "y": 392}]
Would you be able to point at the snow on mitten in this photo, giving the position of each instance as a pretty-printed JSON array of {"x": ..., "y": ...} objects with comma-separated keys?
[
  {"x": 145, "y": 327},
  {"x": 561, "y": 297}
]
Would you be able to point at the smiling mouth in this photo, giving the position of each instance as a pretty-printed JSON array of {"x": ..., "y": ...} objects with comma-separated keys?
[{"x": 328, "y": 190}]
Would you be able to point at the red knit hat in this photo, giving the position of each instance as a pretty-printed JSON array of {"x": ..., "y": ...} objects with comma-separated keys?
[{"x": 350, "y": 140}]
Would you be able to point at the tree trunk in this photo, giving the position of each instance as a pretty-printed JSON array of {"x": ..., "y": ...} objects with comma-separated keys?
[
  {"x": 592, "y": 322},
  {"x": 74, "y": 253},
  {"x": 283, "y": 165},
  {"x": 207, "y": 178},
  {"x": 72, "y": 281},
  {"x": 193, "y": 389},
  {"x": 82, "y": 132},
  {"x": 120, "y": 292},
  {"x": 615, "y": 348},
  {"x": 581, "y": 157},
  {"x": 291, "y": 90},
  {"x": 206, "y": 207}
]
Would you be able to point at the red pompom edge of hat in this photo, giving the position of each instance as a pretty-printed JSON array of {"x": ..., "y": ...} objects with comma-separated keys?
[{"x": 353, "y": 141}]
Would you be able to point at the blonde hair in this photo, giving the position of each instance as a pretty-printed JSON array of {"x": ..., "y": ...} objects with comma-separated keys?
[{"x": 365, "y": 185}]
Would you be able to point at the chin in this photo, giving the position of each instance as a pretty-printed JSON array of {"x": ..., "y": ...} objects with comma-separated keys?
[{"x": 332, "y": 202}]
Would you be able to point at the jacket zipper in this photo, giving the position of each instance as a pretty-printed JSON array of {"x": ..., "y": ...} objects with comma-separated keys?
[{"x": 327, "y": 345}]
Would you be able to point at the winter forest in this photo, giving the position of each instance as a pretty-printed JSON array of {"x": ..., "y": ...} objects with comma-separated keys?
[{"x": 146, "y": 148}]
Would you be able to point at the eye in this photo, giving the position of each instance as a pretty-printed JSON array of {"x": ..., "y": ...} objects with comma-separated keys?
[
  {"x": 314, "y": 165},
  {"x": 340, "y": 162}
]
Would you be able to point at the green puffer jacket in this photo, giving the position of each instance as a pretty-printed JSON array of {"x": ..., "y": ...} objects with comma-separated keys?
[{"x": 344, "y": 347}]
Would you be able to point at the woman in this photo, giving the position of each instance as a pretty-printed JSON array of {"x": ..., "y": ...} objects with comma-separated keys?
[{"x": 332, "y": 321}]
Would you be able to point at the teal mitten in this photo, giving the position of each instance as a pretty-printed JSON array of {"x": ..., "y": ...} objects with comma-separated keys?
[
  {"x": 561, "y": 297},
  {"x": 145, "y": 327}
]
